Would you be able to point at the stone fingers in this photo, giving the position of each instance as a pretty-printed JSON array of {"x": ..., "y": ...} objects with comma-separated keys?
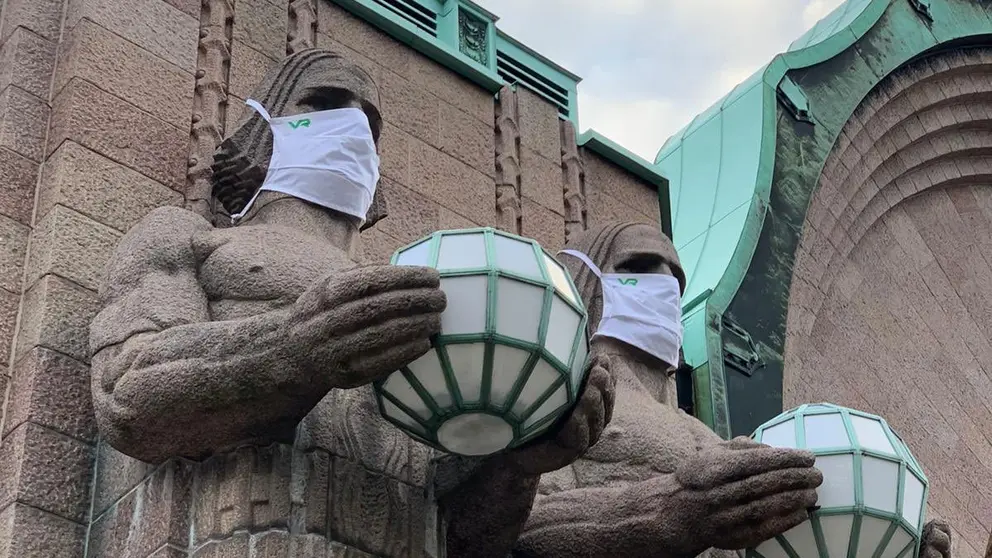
[
  {"x": 764, "y": 485},
  {"x": 383, "y": 308},
  {"x": 602, "y": 379},
  {"x": 364, "y": 282},
  {"x": 719, "y": 466}
]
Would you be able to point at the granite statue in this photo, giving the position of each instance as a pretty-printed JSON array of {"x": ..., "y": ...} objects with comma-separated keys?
[
  {"x": 251, "y": 349},
  {"x": 659, "y": 483}
]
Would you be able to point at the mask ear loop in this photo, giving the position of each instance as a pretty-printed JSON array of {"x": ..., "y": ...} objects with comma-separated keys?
[
  {"x": 584, "y": 259},
  {"x": 595, "y": 269},
  {"x": 265, "y": 116}
]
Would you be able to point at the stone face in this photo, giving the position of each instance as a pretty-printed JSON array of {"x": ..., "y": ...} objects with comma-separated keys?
[
  {"x": 120, "y": 131},
  {"x": 47, "y": 470},
  {"x": 27, "y": 60},
  {"x": 51, "y": 390},
  {"x": 100, "y": 188},
  {"x": 127, "y": 71}
]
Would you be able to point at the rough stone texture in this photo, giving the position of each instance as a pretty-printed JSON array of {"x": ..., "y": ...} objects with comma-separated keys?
[
  {"x": 153, "y": 25},
  {"x": 18, "y": 176},
  {"x": 21, "y": 122},
  {"x": 27, "y": 60},
  {"x": 892, "y": 279},
  {"x": 56, "y": 315},
  {"x": 98, "y": 187},
  {"x": 127, "y": 71},
  {"x": 47, "y": 470},
  {"x": 27, "y": 532},
  {"x": 8, "y": 321},
  {"x": 152, "y": 516},
  {"x": 51, "y": 390},
  {"x": 43, "y": 17},
  {"x": 261, "y": 25},
  {"x": 248, "y": 67},
  {"x": 13, "y": 247},
  {"x": 72, "y": 246},
  {"x": 612, "y": 194},
  {"x": 95, "y": 119}
]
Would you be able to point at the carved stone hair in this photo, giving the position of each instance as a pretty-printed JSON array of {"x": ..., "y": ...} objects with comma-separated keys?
[{"x": 241, "y": 161}]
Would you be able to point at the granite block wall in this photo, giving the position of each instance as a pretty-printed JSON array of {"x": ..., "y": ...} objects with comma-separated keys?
[{"x": 110, "y": 108}]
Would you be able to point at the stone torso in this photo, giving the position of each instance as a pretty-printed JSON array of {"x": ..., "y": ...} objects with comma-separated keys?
[{"x": 349, "y": 480}]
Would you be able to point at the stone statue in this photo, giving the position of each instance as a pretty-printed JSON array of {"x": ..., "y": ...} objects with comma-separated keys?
[
  {"x": 250, "y": 349},
  {"x": 659, "y": 483}
]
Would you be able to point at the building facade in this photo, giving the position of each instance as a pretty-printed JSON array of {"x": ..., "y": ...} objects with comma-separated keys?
[
  {"x": 110, "y": 108},
  {"x": 833, "y": 214}
]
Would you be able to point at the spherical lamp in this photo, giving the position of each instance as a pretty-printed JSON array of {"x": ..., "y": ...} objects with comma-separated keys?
[
  {"x": 512, "y": 350},
  {"x": 872, "y": 501}
]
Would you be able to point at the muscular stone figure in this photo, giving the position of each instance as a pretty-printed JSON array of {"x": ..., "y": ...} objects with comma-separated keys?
[
  {"x": 660, "y": 484},
  {"x": 251, "y": 348}
]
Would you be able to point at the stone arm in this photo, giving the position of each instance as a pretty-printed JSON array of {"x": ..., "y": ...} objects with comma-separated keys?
[
  {"x": 168, "y": 381},
  {"x": 595, "y": 523}
]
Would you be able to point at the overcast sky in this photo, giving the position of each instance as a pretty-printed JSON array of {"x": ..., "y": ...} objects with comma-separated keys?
[{"x": 649, "y": 66}]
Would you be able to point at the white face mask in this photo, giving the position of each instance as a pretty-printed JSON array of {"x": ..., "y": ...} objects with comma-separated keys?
[
  {"x": 327, "y": 158},
  {"x": 640, "y": 309}
]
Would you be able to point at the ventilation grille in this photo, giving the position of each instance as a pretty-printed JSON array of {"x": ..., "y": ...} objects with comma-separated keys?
[
  {"x": 513, "y": 71},
  {"x": 413, "y": 12}
]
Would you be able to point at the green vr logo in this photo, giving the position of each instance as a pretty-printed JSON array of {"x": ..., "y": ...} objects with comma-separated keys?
[
  {"x": 630, "y": 281},
  {"x": 304, "y": 122}
]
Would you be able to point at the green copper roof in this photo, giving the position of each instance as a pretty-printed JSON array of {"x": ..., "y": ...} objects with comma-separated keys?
[
  {"x": 720, "y": 165},
  {"x": 742, "y": 175}
]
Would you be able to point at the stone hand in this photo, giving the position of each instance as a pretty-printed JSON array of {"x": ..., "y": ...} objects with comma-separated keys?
[
  {"x": 579, "y": 431},
  {"x": 353, "y": 327},
  {"x": 936, "y": 541},
  {"x": 731, "y": 496}
]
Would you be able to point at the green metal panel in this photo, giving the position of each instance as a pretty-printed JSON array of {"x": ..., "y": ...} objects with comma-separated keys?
[{"x": 742, "y": 174}]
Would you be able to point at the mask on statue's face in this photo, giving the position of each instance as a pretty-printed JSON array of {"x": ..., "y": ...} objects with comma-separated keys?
[
  {"x": 327, "y": 158},
  {"x": 641, "y": 309}
]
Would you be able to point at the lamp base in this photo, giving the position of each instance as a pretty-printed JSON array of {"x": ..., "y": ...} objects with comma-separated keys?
[{"x": 475, "y": 434}]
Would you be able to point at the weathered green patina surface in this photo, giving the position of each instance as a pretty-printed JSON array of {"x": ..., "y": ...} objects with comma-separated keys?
[{"x": 742, "y": 175}]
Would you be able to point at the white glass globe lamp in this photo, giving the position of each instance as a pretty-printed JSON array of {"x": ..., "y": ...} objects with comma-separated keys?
[
  {"x": 872, "y": 502},
  {"x": 511, "y": 355}
]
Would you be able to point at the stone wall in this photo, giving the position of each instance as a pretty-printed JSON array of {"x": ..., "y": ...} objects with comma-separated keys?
[
  {"x": 891, "y": 302},
  {"x": 109, "y": 108}
]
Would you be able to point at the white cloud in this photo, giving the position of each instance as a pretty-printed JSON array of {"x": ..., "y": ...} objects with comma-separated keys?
[
  {"x": 650, "y": 66},
  {"x": 817, "y": 10},
  {"x": 640, "y": 126}
]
